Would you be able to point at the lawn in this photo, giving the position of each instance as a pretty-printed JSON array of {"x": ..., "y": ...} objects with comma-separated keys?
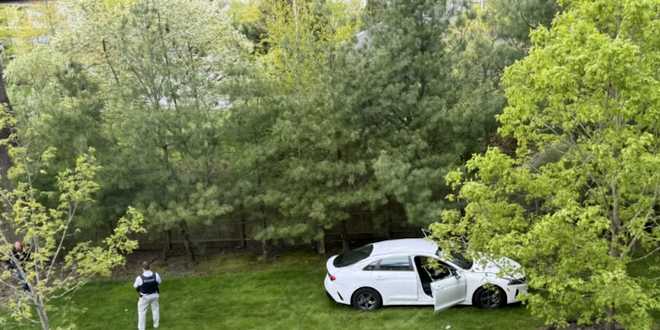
[{"x": 239, "y": 292}]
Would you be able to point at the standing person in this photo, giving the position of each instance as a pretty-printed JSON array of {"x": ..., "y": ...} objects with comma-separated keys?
[{"x": 147, "y": 287}]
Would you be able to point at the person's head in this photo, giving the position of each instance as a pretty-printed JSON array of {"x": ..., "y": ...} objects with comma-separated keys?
[
  {"x": 18, "y": 245},
  {"x": 146, "y": 265}
]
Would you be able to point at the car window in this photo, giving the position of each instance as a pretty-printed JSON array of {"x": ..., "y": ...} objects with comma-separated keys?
[
  {"x": 398, "y": 263},
  {"x": 458, "y": 259},
  {"x": 372, "y": 266},
  {"x": 435, "y": 269},
  {"x": 353, "y": 256}
]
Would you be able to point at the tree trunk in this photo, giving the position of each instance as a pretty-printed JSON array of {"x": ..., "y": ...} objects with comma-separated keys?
[
  {"x": 265, "y": 246},
  {"x": 388, "y": 228},
  {"x": 321, "y": 244},
  {"x": 265, "y": 249},
  {"x": 612, "y": 324},
  {"x": 167, "y": 245},
  {"x": 388, "y": 224},
  {"x": 5, "y": 161},
  {"x": 187, "y": 243},
  {"x": 344, "y": 237},
  {"x": 615, "y": 223},
  {"x": 43, "y": 316},
  {"x": 243, "y": 243}
]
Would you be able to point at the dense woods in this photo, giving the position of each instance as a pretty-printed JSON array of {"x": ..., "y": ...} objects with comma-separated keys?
[
  {"x": 295, "y": 117},
  {"x": 307, "y": 116}
]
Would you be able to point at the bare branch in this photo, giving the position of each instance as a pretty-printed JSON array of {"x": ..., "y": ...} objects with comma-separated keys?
[
  {"x": 71, "y": 213},
  {"x": 107, "y": 59},
  {"x": 654, "y": 251}
]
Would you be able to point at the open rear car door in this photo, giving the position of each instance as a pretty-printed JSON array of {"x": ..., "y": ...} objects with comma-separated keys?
[{"x": 448, "y": 291}]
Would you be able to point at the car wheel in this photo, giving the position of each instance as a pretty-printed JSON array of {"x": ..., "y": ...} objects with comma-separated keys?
[
  {"x": 489, "y": 297},
  {"x": 366, "y": 299}
]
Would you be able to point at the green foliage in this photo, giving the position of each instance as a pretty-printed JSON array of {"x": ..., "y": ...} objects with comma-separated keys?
[
  {"x": 514, "y": 19},
  {"x": 576, "y": 204},
  {"x": 289, "y": 140},
  {"x": 148, "y": 83},
  {"x": 402, "y": 95},
  {"x": 24, "y": 26},
  {"x": 300, "y": 123},
  {"x": 307, "y": 115},
  {"x": 57, "y": 106},
  {"x": 57, "y": 266}
]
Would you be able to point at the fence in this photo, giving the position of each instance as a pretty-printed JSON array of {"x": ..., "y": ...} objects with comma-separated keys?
[{"x": 233, "y": 234}]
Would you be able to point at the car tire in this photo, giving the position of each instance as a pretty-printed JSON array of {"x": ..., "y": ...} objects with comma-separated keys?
[
  {"x": 489, "y": 297},
  {"x": 366, "y": 299}
]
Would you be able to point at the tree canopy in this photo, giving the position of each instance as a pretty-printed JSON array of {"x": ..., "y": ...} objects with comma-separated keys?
[
  {"x": 308, "y": 118},
  {"x": 579, "y": 195}
]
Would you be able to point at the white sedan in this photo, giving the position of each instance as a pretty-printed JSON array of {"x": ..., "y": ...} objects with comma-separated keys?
[{"x": 398, "y": 272}]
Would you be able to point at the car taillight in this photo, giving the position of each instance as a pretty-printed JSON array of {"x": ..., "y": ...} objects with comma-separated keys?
[{"x": 332, "y": 277}]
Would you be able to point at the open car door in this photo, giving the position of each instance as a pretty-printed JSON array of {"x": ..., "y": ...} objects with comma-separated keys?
[{"x": 448, "y": 291}]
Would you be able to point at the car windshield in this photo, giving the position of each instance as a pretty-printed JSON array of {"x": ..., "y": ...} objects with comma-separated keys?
[
  {"x": 458, "y": 260},
  {"x": 353, "y": 256}
]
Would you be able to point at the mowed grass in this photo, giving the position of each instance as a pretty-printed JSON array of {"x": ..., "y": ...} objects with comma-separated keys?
[{"x": 239, "y": 292}]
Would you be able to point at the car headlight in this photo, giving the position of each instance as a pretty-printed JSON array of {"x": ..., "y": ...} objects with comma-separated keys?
[{"x": 517, "y": 281}]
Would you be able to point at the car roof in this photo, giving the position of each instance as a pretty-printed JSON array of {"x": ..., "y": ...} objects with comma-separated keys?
[{"x": 406, "y": 245}]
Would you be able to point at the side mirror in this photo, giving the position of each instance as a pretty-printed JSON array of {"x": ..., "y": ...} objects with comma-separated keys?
[{"x": 456, "y": 274}]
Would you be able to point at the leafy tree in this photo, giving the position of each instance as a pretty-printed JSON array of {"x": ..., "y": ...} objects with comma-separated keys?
[
  {"x": 57, "y": 106},
  {"x": 321, "y": 185},
  {"x": 481, "y": 43},
  {"x": 56, "y": 266},
  {"x": 166, "y": 71},
  {"x": 250, "y": 17},
  {"x": 404, "y": 98},
  {"x": 303, "y": 185},
  {"x": 23, "y": 26},
  {"x": 581, "y": 191},
  {"x": 514, "y": 19}
]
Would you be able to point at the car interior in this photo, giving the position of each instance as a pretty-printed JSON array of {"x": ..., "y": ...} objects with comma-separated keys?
[{"x": 430, "y": 270}]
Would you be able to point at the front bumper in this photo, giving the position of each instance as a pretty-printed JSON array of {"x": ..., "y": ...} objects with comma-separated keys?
[{"x": 513, "y": 292}]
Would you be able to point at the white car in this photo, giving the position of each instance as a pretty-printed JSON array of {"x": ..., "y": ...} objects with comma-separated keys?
[{"x": 397, "y": 272}]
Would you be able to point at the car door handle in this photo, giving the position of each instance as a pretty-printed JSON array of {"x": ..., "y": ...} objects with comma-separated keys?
[{"x": 380, "y": 277}]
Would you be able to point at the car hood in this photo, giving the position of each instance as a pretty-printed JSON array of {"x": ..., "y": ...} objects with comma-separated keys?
[{"x": 502, "y": 266}]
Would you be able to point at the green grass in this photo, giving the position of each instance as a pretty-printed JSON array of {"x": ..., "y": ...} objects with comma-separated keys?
[
  {"x": 238, "y": 292},
  {"x": 241, "y": 293}
]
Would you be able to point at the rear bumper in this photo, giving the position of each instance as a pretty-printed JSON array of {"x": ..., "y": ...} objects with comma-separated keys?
[{"x": 335, "y": 292}]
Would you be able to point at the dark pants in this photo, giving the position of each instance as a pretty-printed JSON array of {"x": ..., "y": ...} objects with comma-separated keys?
[{"x": 20, "y": 279}]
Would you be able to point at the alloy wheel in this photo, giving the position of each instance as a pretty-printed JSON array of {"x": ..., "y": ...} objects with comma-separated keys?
[
  {"x": 490, "y": 298},
  {"x": 367, "y": 301}
]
